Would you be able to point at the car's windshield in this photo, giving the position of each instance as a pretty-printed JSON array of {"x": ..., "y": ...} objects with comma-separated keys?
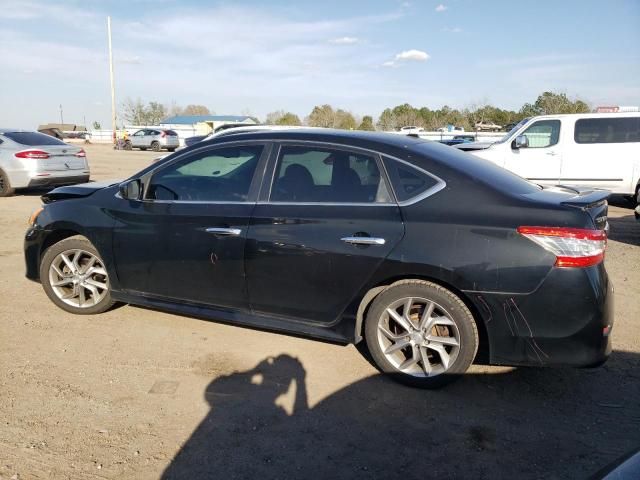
[{"x": 517, "y": 126}]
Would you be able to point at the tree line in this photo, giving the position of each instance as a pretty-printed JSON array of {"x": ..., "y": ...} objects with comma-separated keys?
[{"x": 138, "y": 113}]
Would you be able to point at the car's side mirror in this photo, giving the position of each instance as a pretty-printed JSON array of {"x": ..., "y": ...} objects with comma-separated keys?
[
  {"x": 521, "y": 141},
  {"x": 131, "y": 190}
]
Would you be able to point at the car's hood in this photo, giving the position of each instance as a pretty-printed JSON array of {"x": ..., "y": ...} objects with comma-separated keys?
[
  {"x": 75, "y": 191},
  {"x": 474, "y": 146}
]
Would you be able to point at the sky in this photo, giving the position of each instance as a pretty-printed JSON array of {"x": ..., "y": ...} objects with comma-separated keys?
[{"x": 254, "y": 57}]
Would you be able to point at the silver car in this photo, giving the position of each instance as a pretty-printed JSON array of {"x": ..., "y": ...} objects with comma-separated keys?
[
  {"x": 31, "y": 159},
  {"x": 154, "y": 138}
]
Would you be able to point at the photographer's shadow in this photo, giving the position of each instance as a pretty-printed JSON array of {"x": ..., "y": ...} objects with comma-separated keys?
[{"x": 526, "y": 423}]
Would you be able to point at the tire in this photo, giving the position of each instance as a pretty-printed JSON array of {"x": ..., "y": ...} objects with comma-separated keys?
[
  {"x": 5, "y": 185},
  {"x": 400, "y": 353},
  {"x": 80, "y": 252},
  {"x": 155, "y": 146},
  {"x": 127, "y": 145}
]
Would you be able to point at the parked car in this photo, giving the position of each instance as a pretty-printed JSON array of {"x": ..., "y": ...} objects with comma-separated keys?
[
  {"x": 411, "y": 129},
  {"x": 154, "y": 138},
  {"x": 423, "y": 252},
  {"x": 483, "y": 126},
  {"x": 593, "y": 149},
  {"x": 31, "y": 159},
  {"x": 458, "y": 139}
]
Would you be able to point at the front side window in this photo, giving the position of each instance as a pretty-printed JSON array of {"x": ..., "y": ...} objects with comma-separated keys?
[
  {"x": 607, "y": 130},
  {"x": 221, "y": 175},
  {"x": 319, "y": 175},
  {"x": 542, "y": 134}
]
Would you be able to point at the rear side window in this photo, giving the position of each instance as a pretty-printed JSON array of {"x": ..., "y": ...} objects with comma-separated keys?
[
  {"x": 170, "y": 133},
  {"x": 33, "y": 138},
  {"x": 408, "y": 182},
  {"x": 319, "y": 175},
  {"x": 607, "y": 130}
]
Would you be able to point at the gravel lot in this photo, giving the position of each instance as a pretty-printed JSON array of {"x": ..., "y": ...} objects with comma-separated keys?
[{"x": 120, "y": 394}]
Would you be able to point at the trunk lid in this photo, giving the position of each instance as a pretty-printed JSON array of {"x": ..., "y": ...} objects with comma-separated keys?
[
  {"x": 591, "y": 201},
  {"x": 61, "y": 158}
]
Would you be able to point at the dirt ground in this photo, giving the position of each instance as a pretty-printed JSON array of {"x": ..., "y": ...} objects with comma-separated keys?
[{"x": 119, "y": 395}]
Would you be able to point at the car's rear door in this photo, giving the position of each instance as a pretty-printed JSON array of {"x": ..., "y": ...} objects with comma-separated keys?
[
  {"x": 186, "y": 239},
  {"x": 320, "y": 231}
]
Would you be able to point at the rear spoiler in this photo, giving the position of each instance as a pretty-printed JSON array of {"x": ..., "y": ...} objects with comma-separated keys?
[{"x": 585, "y": 197}]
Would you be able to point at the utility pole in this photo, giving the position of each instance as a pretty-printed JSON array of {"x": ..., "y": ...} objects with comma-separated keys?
[
  {"x": 113, "y": 93},
  {"x": 61, "y": 119}
]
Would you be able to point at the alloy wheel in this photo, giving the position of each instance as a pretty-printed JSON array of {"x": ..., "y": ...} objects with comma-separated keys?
[
  {"x": 418, "y": 337},
  {"x": 78, "y": 278}
]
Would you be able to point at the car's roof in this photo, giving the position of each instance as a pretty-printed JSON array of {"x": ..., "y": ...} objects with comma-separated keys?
[{"x": 349, "y": 137}]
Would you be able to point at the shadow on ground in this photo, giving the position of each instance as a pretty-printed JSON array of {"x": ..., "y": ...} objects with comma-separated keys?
[
  {"x": 528, "y": 423},
  {"x": 625, "y": 229}
]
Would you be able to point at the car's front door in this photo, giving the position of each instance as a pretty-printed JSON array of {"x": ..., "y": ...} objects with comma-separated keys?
[
  {"x": 185, "y": 240},
  {"x": 137, "y": 139},
  {"x": 540, "y": 161},
  {"x": 320, "y": 232}
]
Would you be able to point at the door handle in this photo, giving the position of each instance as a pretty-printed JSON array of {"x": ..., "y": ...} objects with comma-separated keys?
[
  {"x": 553, "y": 154},
  {"x": 231, "y": 232},
  {"x": 364, "y": 240}
]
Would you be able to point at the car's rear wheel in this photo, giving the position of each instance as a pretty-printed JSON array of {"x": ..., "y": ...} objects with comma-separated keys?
[
  {"x": 74, "y": 277},
  {"x": 155, "y": 146},
  {"x": 5, "y": 186},
  {"x": 421, "y": 334}
]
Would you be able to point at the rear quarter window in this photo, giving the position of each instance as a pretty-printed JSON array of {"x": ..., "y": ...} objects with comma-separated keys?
[
  {"x": 607, "y": 130},
  {"x": 32, "y": 139},
  {"x": 408, "y": 181}
]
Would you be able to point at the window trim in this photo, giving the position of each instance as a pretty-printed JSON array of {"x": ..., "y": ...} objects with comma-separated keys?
[
  {"x": 254, "y": 188},
  {"x": 540, "y": 121},
  {"x": 267, "y": 185}
]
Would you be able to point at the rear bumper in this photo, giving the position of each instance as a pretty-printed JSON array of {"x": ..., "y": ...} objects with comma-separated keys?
[
  {"x": 57, "y": 180},
  {"x": 566, "y": 321}
]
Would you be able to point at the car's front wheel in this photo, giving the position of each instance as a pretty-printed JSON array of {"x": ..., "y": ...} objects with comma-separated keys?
[
  {"x": 421, "y": 334},
  {"x": 74, "y": 277}
]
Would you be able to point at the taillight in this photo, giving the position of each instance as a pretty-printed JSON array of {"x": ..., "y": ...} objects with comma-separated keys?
[
  {"x": 38, "y": 154},
  {"x": 573, "y": 247},
  {"x": 81, "y": 154}
]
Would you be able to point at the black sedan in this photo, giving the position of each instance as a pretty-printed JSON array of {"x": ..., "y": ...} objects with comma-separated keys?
[{"x": 432, "y": 257}]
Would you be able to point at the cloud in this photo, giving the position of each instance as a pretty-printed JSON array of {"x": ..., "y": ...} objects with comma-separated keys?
[
  {"x": 441, "y": 8},
  {"x": 412, "y": 55},
  {"x": 344, "y": 40}
]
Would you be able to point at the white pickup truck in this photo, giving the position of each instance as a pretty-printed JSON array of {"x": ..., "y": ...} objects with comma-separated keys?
[{"x": 595, "y": 150}]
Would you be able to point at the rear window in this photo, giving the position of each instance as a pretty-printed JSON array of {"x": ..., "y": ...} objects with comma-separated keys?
[
  {"x": 32, "y": 139},
  {"x": 607, "y": 130},
  {"x": 171, "y": 133}
]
